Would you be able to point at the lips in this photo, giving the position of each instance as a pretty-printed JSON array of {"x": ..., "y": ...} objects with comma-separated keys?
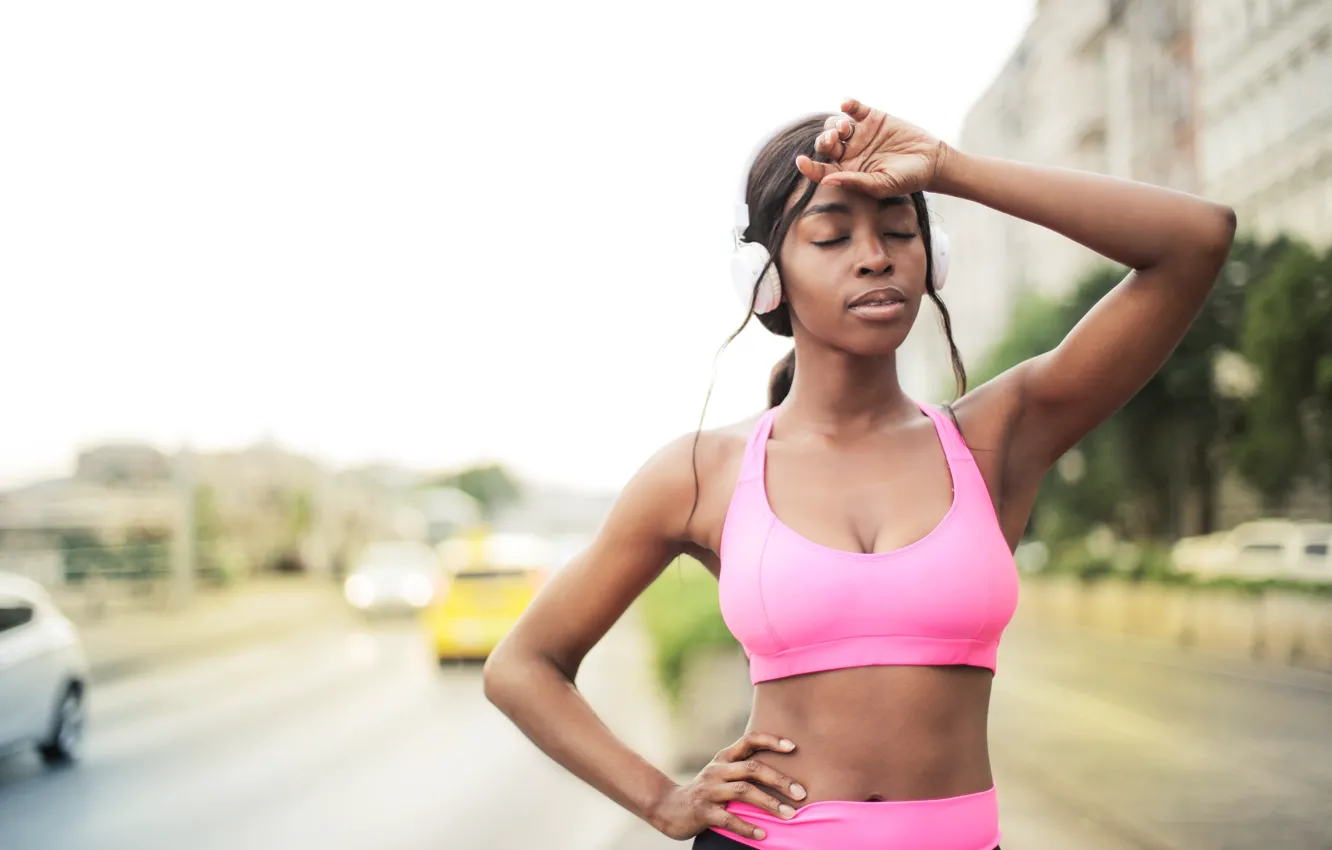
[{"x": 882, "y": 297}]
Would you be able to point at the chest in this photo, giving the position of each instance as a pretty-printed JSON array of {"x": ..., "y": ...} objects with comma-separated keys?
[{"x": 874, "y": 496}]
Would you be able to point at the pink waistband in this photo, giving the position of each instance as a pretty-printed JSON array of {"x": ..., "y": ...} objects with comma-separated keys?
[{"x": 969, "y": 822}]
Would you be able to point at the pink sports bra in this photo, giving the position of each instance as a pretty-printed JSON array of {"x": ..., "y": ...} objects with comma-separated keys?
[{"x": 799, "y": 607}]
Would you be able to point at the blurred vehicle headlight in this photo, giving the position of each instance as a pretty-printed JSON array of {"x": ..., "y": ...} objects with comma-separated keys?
[
  {"x": 360, "y": 591},
  {"x": 418, "y": 590}
]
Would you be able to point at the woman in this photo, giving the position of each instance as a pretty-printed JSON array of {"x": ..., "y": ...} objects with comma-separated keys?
[{"x": 863, "y": 542}]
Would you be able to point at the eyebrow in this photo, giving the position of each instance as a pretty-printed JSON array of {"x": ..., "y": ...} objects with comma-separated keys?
[{"x": 820, "y": 209}]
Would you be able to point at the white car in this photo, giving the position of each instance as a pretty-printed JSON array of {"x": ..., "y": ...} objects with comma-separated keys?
[
  {"x": 394, "y": 576},
  {"x": 43, "y": 674},
  {"x": 1261, "y": 549}
]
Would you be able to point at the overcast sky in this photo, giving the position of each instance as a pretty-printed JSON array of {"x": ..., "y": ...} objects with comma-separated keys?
[{"x": 407, "y": 231}]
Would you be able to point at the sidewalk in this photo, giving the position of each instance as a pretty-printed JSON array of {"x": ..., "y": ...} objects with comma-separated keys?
[{"x": 214, "y": 621}]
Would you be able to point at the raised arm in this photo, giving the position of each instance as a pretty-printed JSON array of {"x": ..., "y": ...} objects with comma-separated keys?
[
  {"x": 530, "y": 675},
  {"x": 1174, "y": 244}
]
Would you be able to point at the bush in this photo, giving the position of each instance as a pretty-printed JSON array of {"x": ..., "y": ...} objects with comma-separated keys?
[
  {"x": 1259, "y": 586},
  {"x": 1150, "y": 562},
  {"x": 1072, "y": 558},
  {"x": 683, "y": 620}
]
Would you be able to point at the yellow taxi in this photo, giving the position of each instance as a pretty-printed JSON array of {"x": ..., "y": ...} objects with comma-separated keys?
[{"x": 492, "y": 577}]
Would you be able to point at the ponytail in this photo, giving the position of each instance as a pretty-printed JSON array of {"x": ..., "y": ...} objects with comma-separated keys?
[{"x": 779, "y": 382}]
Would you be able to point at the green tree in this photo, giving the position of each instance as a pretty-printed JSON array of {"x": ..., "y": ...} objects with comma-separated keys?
[
  {"x": 1138, "y": 470},
  {"x": 1037, "y": 325},
  {"x": 491, "y": 485},
  {"x": 210, "y": 535},
  {"x": 1287, "y": 335},
  {"x": 1183, "y": 422},
  {"x": 1090, "y": 486}
]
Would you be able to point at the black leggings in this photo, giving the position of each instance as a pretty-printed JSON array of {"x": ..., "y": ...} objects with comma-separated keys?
[{"x": 710, "y": 840}]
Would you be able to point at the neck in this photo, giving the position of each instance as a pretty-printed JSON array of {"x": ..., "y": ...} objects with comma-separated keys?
[{"x": 837, "y": 393}]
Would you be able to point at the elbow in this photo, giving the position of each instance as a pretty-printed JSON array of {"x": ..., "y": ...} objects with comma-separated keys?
[
  {"x": 510, "y": 673},
  {"x": 1202, "y": 248},
  {"x": 1220, "y": 232},
  {"x": 498, "y": 677}
]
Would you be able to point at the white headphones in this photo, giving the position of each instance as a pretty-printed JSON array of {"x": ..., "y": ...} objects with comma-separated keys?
[{"x": 750, "y": 258}]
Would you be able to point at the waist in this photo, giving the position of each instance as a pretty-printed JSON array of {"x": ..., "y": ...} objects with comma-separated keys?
[
  {"x": 890, "y": 733},
  {"x": 964, "y": 822}
]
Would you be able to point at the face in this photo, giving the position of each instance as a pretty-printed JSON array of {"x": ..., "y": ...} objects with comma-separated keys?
[{"x": 853, "y": 270}]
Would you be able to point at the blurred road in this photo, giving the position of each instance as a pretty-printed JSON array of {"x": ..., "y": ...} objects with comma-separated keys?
[
  {"x": 1161, "y": 748},
  {"x": 350, "y": 736},
  {"x": 346, "y": 737}
]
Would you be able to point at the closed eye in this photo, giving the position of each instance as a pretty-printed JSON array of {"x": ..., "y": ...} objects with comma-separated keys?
[{"x": 892, "y": 233}]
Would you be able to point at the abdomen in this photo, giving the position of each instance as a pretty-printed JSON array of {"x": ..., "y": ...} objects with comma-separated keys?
[{"x": 889, "y": 733}]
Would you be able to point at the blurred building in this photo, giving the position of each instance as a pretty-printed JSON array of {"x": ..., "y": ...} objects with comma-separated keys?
[
  {"x": 1231, "y": 99},
  {"x": 257, "y": 508},
  {"x": 36, "y": 517},
  {"x": 264, "y": 506},
  {"x": 262, "y": 499},
  {"x": 123, "y": 464},
  {"x": 1265, "y": 68},
  {"x": 1105, "y": 86}
]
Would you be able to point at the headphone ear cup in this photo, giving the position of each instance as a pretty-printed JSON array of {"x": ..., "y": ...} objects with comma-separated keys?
[
  {"x": 939, "y": 250},
  {"x": 769, "y": 291},
  {"x": 747, "y": 264}
]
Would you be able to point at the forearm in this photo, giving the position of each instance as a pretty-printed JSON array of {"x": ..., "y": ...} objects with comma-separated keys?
[
  {"x": 547, "y": 707},
  {"x": 1134, "y": 224}
]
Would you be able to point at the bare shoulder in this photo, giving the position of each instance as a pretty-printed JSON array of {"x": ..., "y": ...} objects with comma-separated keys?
[
  {"x": 710, "y": 451},
  {"x": 663, "y": 511},
  {"x": 725, "y": 446},
  {"x": 698, "y": 471}
]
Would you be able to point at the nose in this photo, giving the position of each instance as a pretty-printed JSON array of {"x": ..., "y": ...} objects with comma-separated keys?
[{"x": 876, "y": 264}]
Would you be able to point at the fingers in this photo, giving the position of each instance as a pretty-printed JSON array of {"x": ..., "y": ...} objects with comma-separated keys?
[
  {"x": 756, "y": 771},
  {"x": 746, "y": 793},
  {"x": 752, "y": 742},
  {"x": 816, "y": 171},
  {"x": 875, "y": 184},
  {"x": 840, "y": 125},
  {"x": 735, "y": 773},
  {"x": 724, "y": 819},
  {"x": 857, "y": 110},
  {"x": 833, "y": 143}
]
